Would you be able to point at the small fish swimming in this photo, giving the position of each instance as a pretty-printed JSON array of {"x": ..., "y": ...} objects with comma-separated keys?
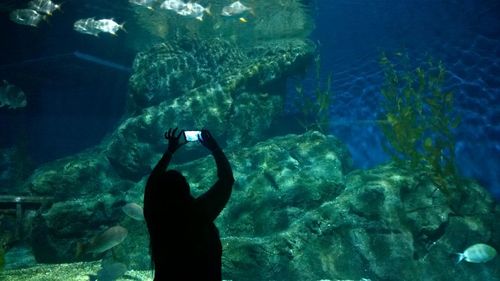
[
  {"x": 44, "y": 6},
  {"x": 109, "y": 26},
  {"x": 103, "y": 241},
  {"x": 173, "y": 5},
  {"x": 26, "y": 17},
  {"x": 144, "y": 3},
  {"x": 477, "y": 253},
  {"x": 235, "y": 8},
  {"x": 194, "y": 10},
  {"x": 11, "y": 96},
  {"x": 87, "y": 26},
  {"x": 95, "y": 27},
  {"x": 109, "y": 272},
  {"x": 134, "y": 211}
]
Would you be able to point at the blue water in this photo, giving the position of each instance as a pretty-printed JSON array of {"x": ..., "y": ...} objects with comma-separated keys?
[
  {"x": 465, "y": 35},
  {"x": 77, "y": 108}
]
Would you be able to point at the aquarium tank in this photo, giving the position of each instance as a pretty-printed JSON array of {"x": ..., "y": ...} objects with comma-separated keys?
[{"x": 363, "y": 136}]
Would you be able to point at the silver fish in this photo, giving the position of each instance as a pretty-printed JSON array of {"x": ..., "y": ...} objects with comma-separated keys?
[
  {"x": 477, "y": 253},
  {"x": 103, "y": 241},
  {"x": 87, "y": 26},
  {"x": 108, "y": 26},
  {"x": 235, "y": 8},
  {"x": 173, "y": 5},
  {"x": 134, "y": 211},
  {"x": 194, "y": 10},
  {"x": 144, "y": 3},
  {"x": 26, "y": 17},
  {"x": 44, "y": 6},
  {"x": 111, "y": 271}
]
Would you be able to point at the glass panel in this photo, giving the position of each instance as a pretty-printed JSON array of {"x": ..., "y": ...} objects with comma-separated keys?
[{"x": 328, "y": 140}]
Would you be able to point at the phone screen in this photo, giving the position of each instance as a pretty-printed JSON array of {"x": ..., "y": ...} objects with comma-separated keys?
[{"x": 192, "y": 135}]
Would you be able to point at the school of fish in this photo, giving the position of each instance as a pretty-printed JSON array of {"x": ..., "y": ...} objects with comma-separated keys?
[
  {"x": 38, "y": 10},
  {"x": 34, "y": 13}
]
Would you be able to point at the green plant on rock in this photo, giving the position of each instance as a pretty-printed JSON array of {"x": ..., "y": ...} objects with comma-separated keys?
[
  {"x": 418, "y": 118},
  {"x": 314, "y": 108}
]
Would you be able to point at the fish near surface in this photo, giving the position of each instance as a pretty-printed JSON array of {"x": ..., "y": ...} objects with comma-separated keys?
[
  {"x": 144, "y": 3},
  {"x": 194, "y": 10},
  {"x": 26, "y": 17},
  {"x": 235, "y": 8},
  {"x": 108, "y": 26},
  {"x": 173, "y": 5},
  {"x": 103, "y": 241},
  {"x": 87, "y": 26},
  {"x": 477, "y": 253},
  {"x": 44, "y": 6}
]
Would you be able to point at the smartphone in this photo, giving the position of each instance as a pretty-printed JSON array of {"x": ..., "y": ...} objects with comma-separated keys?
[{"x": 192, "y": 135}]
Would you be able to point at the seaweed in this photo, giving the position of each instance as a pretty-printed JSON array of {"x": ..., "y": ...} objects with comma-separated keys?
[
  {"x": 314, "y": 107},
  {"x": 418, "y": 119}
]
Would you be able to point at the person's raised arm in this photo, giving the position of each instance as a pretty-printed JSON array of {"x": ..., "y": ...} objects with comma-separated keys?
[
  {"x": 214, "y": 200},
  {"x": 173, "y": 145}
]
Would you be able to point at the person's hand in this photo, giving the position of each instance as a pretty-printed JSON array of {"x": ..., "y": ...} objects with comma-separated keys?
[
  {"x": 173, "y": 140},
  {"x": 208, "y": 141}
]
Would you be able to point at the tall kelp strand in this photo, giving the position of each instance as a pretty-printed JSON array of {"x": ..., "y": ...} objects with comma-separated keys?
[{"x": 418, "y": 119}]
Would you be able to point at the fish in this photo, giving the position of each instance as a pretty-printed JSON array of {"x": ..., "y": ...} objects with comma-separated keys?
[
  {"x": 109, "y": 26},
  {"x": 103, "y": 241},
  {"x": 44, "y": 6},
  {"x": 235, "y": 8},
  {"x": 11, "y": 96},
  {"x": 28, "y": 17},
  {"x": 110, "y": 272},
  {"x": 144, "y": 3},
  {"x": 94, "y": 27},
  {"x": 189, "y": 9},
  {"x": 477, "y": 253},
  {"x": 134, "y": 211},
  {"x": 173, "y": 5},
  {"x": 87, "y": 26},
  {"x": 194, "y": 10}
]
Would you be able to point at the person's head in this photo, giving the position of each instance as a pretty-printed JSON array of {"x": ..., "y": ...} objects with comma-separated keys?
[
  {"x": 170, "y": 187},
  {"x": 175, "y": 184}
]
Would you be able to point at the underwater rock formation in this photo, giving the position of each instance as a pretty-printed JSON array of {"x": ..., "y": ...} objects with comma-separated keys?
[
  {"x": 237, "y": 104},
  {"x": 299, "y": 212},
  {"x": 381, "y": 224},
  {"x": 193, "y": 84}
]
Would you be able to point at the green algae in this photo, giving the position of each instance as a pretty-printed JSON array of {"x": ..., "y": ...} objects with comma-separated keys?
[{"x": 418, "y": 118}]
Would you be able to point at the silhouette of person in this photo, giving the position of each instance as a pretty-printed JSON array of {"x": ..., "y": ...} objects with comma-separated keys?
[{"x": 184, "y": 241}]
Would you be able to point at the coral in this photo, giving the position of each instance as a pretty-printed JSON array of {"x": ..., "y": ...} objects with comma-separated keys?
[{"x": 418, "y": 118}]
